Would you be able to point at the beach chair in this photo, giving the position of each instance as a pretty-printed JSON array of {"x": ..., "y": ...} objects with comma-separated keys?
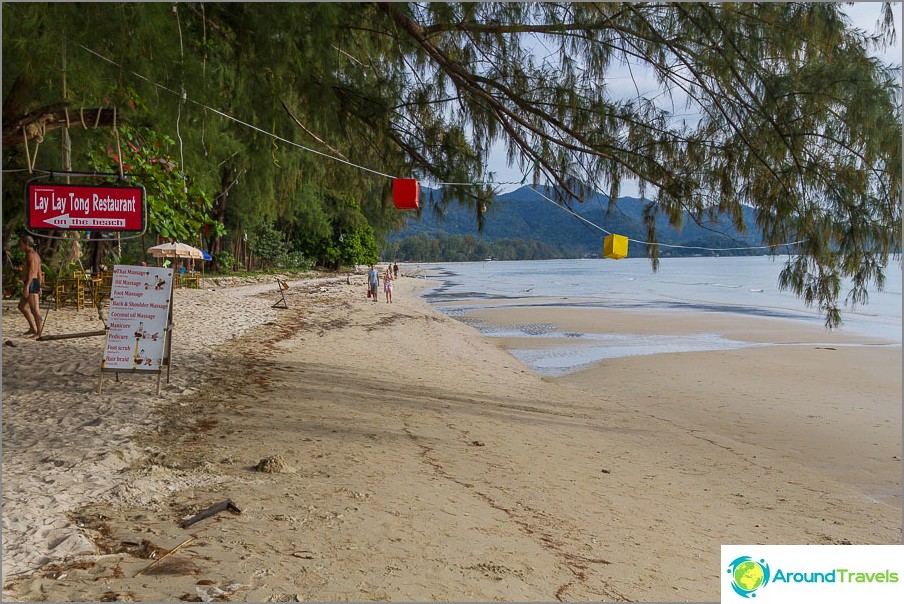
[{"x": 283, "y": 286}]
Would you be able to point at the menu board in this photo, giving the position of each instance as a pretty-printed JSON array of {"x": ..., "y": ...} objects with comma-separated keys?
[{"x": 140, "y": 298}]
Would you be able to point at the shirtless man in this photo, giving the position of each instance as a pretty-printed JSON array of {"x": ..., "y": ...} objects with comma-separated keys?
[{"x": 32, "y": 278}]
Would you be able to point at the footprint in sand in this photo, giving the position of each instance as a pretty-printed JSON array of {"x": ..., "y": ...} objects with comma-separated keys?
[{"x": 66, "y": 369}]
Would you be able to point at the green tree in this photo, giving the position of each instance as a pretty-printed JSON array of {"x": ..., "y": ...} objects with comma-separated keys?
[
  {"x": 178, "y": 210},
  {"x": 337, "y": 233},
  {"x": 795, "y": 118},
  {"x": 268, "y": 244}
]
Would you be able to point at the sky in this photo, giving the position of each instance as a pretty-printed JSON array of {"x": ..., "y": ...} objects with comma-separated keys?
[{"x": 863, "y": 15}]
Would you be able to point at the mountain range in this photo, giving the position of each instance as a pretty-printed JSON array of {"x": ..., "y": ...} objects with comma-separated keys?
[{"x": 525, "y": 215}]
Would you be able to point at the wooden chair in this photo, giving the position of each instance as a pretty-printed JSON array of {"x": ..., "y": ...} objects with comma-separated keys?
[
  {"x": 69, "y": 290},
  {"x": 101, "y": 287}
]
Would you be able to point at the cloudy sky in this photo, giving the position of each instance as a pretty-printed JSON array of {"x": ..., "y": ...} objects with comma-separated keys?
[{"x": 864, "y": 16}]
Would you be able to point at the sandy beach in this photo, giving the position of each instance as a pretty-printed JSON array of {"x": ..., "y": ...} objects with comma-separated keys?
[{"x": 387, "y": 452}]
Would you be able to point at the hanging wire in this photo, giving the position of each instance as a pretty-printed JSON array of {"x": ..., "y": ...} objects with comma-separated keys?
[
  {"x": 183, "y": 96},
  {"x": 27, "y": 151},
  {"x": 118, "y": 149},
  {"x": 687, "y": 247},
  {"x": 479, "y": 183},
  {"x": 238, "y": 121},
  {"x": 17, "y": 170}
]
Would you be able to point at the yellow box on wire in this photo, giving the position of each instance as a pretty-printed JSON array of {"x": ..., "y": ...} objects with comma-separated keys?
[{"x": 615, "y": 246}]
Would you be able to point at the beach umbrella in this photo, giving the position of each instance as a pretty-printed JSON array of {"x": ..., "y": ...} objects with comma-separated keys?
[
  {"x": 175, "y": 249},
  {"x": 207, "y": 257}
]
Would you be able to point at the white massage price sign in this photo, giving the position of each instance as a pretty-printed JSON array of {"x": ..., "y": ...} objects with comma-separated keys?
[{"x": 140, "y": 299}]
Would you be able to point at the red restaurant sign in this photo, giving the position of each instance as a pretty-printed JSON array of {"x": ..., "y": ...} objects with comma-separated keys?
[{"x": 85, "y": 207}]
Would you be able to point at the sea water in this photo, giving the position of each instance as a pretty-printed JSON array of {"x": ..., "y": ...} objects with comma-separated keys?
[{"x": 744, "y": 285}]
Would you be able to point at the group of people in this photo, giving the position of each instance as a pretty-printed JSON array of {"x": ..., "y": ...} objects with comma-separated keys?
[
  {"x": 32, "y": 279},
  {"x": 373, "y": 281}
]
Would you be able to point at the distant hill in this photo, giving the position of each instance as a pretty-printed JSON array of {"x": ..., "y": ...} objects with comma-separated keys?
[{"x": 525, "y": 215}]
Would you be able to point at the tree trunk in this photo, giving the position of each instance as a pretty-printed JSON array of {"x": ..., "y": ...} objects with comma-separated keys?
[
  {"x": 39, "y": 122},
  {"x": 99, "y": 250},
  {"x": 220, "y": 209}
]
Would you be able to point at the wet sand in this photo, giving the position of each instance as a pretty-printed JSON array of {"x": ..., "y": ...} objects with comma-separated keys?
[{"x": 828, "y": 401}]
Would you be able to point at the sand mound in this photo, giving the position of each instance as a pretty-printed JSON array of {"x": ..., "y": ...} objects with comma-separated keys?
[{"x": 274, "y": 464}]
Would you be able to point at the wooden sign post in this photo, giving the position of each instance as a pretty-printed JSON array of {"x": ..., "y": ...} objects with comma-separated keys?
[{"x": 140, "y": 322}]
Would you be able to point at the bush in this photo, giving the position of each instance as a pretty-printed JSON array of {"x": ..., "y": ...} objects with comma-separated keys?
[
  {"x": 224, "y": 261},
  {"x": 268, "y": 244},
  {"x": 12, "y": 281},
  {"x": 297, "y": 260}
]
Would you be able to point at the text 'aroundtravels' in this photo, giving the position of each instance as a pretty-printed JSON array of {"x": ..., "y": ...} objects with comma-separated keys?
[{"x": 838, "y": 575}]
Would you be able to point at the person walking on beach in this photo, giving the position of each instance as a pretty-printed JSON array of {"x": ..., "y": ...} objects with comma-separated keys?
[
  {"x": 387, "y": 284},
  {"x": 395, "y": 269},
  {"x": 373, "y": 280},
  {"x": 32, "y": 279}
]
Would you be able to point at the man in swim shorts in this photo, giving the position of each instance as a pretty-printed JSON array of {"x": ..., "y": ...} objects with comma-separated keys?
[{"x": 32, "y": 279}]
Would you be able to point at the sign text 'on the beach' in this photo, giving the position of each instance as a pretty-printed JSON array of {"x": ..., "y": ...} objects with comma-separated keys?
[
  {"x": 140, "y": 299},
  {"x": 85, "y": 207}
]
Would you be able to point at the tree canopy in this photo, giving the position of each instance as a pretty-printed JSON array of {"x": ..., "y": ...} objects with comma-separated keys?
[{"x": 278, "y": 111}]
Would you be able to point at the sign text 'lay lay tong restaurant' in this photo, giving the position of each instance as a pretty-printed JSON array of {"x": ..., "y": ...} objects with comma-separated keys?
[{"x": 85, "y": 207}]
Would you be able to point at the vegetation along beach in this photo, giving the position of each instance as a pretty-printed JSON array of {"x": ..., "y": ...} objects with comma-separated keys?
[{"x": 503, "y": 301}]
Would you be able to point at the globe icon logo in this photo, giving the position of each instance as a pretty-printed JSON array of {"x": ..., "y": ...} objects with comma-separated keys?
[{"x": 748, "y": 575}]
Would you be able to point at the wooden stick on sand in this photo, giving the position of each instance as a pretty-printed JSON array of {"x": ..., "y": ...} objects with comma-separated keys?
[{"x": 164, "y": 556}]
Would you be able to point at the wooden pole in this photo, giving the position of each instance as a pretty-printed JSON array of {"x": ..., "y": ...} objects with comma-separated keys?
[
  {"x": 66, "y": 336},
  {"x": 168, "y": 346}
]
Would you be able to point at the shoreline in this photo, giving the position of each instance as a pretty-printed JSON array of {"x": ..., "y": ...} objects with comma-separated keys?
[
  {"x": 717, "y": 314},
  {"x": 413, "y": 459},
  {"x": 742, "y": 286}
]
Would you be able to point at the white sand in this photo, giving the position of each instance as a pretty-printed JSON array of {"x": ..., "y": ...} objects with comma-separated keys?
[
  {"x": 423, "y": 462},
  {"x": 63, "y": 444}
]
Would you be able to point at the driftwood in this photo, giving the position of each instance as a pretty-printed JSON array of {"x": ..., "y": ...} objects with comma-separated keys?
[
  {"x": 220, "y": 507},
  {"x": 164, "y": 556}
]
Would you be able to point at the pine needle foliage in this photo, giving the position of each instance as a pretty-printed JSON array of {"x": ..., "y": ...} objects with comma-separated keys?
[{"x": 778, "y": 106}]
